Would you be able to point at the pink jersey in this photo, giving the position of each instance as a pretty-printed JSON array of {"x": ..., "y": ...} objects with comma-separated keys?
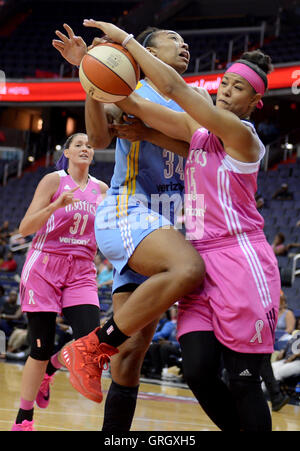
[
  {"x": 70, "y": 230},
  {"x": 220, "y": 191},
  {"x": 239, "y": 298}
]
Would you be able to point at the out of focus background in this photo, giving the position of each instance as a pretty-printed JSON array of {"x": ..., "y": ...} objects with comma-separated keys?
[{"x": 42, "y": 102}]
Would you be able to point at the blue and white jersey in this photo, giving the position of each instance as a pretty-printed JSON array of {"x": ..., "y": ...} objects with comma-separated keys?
[{"x": 146, "y": 172}]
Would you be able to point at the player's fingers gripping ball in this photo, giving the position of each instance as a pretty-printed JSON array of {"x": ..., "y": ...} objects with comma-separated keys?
[{"x": 108, "y": 73}]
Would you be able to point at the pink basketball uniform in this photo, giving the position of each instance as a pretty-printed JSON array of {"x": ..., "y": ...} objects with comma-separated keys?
[
  {"x": 59, "y": 270},
  {"x": 239, "y": 298}
]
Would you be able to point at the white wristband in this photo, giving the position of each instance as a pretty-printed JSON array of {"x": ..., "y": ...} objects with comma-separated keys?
[{"x": 126, "y": 40}]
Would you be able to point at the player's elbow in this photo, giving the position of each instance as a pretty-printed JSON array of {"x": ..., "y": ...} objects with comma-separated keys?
[
  {"x": 24, "y": 230},
  {"x": 99, "y": 141}
]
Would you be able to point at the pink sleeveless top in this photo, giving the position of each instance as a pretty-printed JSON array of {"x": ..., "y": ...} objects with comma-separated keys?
[
  {"x": 70, "y": 230},
  {"x": 220, "y": 191}
]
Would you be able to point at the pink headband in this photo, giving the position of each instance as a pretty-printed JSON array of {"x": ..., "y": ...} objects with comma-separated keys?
[{"x": 251, "y": 76}]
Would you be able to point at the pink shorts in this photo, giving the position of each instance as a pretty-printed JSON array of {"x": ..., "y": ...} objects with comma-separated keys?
[
  {"x": 239, "y": 298},
  {"x": 51, "y": 282}
]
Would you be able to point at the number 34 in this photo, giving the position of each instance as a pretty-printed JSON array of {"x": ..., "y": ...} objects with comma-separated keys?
[{"x": 169, "y": 170}]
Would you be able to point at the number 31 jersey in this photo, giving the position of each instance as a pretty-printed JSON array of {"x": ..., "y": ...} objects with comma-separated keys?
[
  {"x": 70, "y": 229},
  {"x": 146, "y": 171}
]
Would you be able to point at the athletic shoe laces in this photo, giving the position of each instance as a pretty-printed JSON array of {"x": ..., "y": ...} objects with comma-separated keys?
[{"x": 95, "y": 358}]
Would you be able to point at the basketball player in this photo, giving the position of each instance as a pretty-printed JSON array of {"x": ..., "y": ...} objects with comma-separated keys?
[
  {"x": 59, "y": 274},
  {"x": 234, "y": 313},
  {"x": 144, "y": 167}
]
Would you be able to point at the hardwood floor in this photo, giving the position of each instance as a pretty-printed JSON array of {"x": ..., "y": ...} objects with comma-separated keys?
[{"x": 159, "y": 407}]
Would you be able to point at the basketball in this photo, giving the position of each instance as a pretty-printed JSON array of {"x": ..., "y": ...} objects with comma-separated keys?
[{"x": 108, "y": 73}]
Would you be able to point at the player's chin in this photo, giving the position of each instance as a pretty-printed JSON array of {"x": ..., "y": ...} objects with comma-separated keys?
[
  {"x": 84, "y": 161},
  {"x": 181, "y": 65}
]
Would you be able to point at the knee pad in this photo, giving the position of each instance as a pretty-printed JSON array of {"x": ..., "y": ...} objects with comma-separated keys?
[
  {"x": 42, "y": 327},
  {"x": 41, "y": 349}
]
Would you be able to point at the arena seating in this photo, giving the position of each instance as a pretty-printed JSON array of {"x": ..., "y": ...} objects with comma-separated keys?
[
  {"x": 281, "y": 216},
  {"x": 29, "y": 42}
]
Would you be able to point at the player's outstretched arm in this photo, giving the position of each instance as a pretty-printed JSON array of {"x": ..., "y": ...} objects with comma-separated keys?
[{"x": 224, "y": 124}]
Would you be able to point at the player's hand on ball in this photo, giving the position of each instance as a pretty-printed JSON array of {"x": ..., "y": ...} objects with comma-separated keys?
[
  {"x": 98, "y": 41},
  {"x": 111, "y": 31},
  {"x": 71, "y": 47}
]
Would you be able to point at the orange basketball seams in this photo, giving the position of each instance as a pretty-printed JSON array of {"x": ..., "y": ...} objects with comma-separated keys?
[
  {"x": 108, "y": 72},
  {"x": 101, "y": 75}
]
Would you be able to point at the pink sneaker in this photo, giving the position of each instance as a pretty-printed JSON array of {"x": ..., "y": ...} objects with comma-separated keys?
[
  {"x": 43, "y": 396},
  {"x": 24, "y": 426}
]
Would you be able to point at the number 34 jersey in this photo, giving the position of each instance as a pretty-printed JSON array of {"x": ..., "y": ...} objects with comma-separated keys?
[
  {"x": 145, "y": 171},
  {"x": 70, "y": 229}
]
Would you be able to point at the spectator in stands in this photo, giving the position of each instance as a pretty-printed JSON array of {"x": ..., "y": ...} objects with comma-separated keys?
[
  {"x": 18, "y": 345},
  {"x": 63, "y": 333},
  {"x": 260, "y": 201},
  {"x": 98, "y": 262},
  {"x": 11, "y": 314},
  {"x": 287, "y": 363},
  {"x": 105, "y": 277},
  {"x": 164, "y": 327},
  {"x": 4, "y": 231},
  {"x": 286, "y": 318},
  {"x": 2, "y": 295},
  {"x": 283, "y": 193},
  {"x": 279, "y": 247},
  {"x": 277, "y": 398},
  {"x": 158, "y": 353},
  {"x": 2, "y": 250},
  {"x": 9, "y": 264},
  {"x": 298, "y": 224}
]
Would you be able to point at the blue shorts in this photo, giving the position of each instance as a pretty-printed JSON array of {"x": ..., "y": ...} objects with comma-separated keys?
[
  {"x": 120, "y": 230},
  {"x": 127, "y": 277}
]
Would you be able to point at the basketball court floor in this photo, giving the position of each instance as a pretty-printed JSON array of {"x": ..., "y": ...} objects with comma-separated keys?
[{"x": 160, "y": 407}]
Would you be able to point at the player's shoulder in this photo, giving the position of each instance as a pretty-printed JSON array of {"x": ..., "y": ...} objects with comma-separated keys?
[
  {"x": 49, "y": 184},
  {"x": 53, "y": 178}
]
